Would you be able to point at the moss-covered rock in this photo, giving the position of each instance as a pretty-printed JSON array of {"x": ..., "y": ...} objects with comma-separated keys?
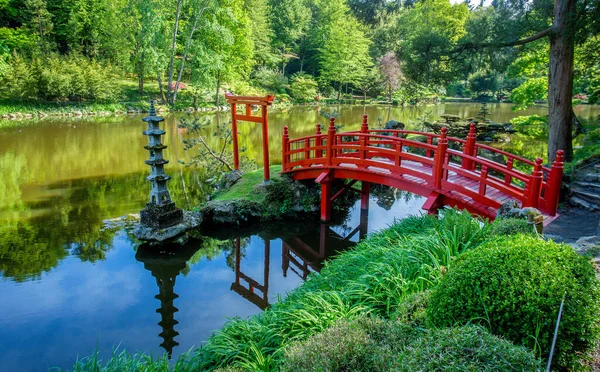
[{"x": 250, "y": 199}]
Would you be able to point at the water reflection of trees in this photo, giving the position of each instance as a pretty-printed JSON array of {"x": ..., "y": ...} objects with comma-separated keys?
[{"x": 36, "y": 235}]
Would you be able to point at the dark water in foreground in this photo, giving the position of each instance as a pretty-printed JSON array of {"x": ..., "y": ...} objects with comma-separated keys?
[{"x": 69, "y": 284}]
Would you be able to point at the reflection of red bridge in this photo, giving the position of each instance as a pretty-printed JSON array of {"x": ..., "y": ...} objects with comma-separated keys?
[{"x": 449, "y": 171}]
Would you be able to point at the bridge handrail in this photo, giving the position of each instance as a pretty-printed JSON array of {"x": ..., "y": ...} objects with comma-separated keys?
[{"x": 539, "y": 189}]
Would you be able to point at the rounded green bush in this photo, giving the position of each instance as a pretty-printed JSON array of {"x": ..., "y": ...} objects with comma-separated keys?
[{"x": 514, "y": 286}]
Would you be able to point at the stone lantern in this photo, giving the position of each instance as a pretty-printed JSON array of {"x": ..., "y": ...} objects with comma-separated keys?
[{"x": 160, "y": 212}]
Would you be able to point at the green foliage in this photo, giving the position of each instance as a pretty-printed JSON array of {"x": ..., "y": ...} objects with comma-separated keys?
[
  {"x": 514, "y": 287},
  {"x": 270, "y": 80},
  {"x": 484, "y": 83},
  {"x": 55, "y": 78},
  {"x": 344, "y": 55},
  {"x": 532, "y": 90},
  {"x": 123, "y": 361},
  {"x": 376, "y": 345},
  {"x": 303, "y": 87},
  {"x": 512, "y": 226},
  {"x": 427, "y": 33},
  {"x": 532, "y": 125}
]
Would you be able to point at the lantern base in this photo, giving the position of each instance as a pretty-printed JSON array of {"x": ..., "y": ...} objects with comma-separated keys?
[{"x": 160, "y": 216}]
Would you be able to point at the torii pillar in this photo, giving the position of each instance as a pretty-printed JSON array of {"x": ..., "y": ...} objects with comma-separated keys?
[{"x": 263, "y": 102}]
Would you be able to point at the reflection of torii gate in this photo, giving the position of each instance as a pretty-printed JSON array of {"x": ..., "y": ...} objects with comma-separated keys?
[
  {"x": 249, "y": 292},
  {"x": 301, "y": 255}
]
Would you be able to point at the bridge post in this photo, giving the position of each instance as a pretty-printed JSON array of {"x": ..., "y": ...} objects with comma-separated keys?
[
  {"x": 439, "y": 159},
  {"x": 326, "y": 201},
  {"x": 469, "y": 148},
  {"x": 285, "y": 149},
  {"x": 534, "y": 188},
  {"x": 330, "y": 139},
  {"x": 318, "y": 142},
  {"x": 364, "y": 129},
  {"x": 554, "y": 182}
]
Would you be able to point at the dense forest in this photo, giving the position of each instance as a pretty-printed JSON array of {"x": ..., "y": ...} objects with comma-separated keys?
[{"x": 400, "y": 51}]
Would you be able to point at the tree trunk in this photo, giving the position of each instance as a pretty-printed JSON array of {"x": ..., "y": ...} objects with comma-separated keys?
[
  {"x": 302, "y": 64},
  {"x": 218, "y": 88},
  {"x": 339, "y": 91},
  {"x": 173, "y": 46},
  {"x": 560, "y": 80},
  {"x": 140, "y": 74},
  {"x": 160, "y": 86},
  {"x": 187, "y": 47}
]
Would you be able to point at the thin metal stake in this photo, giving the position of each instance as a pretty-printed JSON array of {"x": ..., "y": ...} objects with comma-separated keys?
[{"x": 555, "y": 333}]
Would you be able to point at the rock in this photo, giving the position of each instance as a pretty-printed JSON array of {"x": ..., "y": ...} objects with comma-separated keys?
[
  {"x": 511, "y": 209},
  {"x": 394, "y": 125},
  {"x": 230, "y": 179},
  {"x": 175, "y": 234},
  {"x": 580, "y": 203},
  {"x": 12, "y": 116},
  {"x": 28, "y": 116},
  {"x": 5, "y": 116},
  {"x": 590, "y": 177}
]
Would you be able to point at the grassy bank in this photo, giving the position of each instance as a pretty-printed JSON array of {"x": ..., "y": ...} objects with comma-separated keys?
[{"x": 369, "y": 309}]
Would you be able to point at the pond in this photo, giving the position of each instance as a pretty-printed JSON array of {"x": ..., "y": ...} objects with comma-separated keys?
[{"x": 71, "y": 283}]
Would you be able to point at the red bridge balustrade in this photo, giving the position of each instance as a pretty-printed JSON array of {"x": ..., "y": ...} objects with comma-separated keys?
[{"x": 448, "y": 171}]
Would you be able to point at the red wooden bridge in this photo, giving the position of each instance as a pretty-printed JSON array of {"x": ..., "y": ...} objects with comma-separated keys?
[{"x": 448, "y": 171}]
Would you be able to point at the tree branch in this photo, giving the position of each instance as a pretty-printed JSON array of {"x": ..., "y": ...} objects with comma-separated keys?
[
  {"x": 530, "y": 39},
  {"x": 214, "y": 155}
]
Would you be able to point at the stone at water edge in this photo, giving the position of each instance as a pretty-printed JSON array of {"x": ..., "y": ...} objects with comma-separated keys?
[
  {"x": 511, "y": 209},
  {"x": 174, "y": 234}
]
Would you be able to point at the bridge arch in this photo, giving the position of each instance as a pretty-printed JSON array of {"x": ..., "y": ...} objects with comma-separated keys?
[{"x": 447, "y": 170}]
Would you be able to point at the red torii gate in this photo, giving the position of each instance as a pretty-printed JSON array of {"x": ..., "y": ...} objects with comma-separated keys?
[{"x": 263, "y": 102}]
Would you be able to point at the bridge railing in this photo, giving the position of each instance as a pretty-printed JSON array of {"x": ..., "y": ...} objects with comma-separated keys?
[{"x": 446, "y": 163}]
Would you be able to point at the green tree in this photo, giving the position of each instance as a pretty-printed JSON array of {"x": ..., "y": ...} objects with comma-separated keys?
[
  {"x": 427, "y": 33},
  {"x": 484, "y": 83},
  {"x": 344, "y": 56},
  {"x": 39, "y": 23},
  {"x": 290, "y": 21}
]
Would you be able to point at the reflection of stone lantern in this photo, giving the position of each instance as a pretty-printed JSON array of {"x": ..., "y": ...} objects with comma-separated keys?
[{"x": 160, "y": 212}]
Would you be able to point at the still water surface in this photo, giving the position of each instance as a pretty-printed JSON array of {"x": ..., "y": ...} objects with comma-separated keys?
[{"x": 70, "y": 284}]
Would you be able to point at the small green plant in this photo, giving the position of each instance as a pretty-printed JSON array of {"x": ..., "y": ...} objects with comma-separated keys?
[
  {"x": 512, "y": 226},
  {"x": 514, "y": 287}
]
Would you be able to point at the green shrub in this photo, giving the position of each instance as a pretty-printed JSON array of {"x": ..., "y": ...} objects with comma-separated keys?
[
  {"x": 532, "y": 125},
  {"x": 303, "y": 87},
  {"x": 512, "y": 226},
  {"x": 345, "y": 346},
  {"x": 377, "y": 345},
  {"x": 467, "y": 348},
  {"x": 60, "y": 78},
  {"x": 514, "y": 286},
  {"x": 270, "y": 80},
  {"x": 413, "y": 310}
]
